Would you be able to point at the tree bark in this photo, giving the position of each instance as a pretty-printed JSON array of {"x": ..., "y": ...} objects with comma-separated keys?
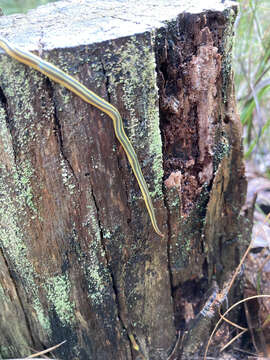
[{"x": 79, "y": 259}]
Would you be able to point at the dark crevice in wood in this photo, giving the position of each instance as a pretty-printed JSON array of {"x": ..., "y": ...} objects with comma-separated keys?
[
  {"x": 3, "y": 99},
  {"x": 188, "y": 299},
  {"x": 169, "y": 234},
  {"x": 113, "y": 281},
  {"x": 58, "y": 131},
  {"x": 107, "y": 81},
  {"x": 123, "y": 178},
  {"x": 9, "y": 122},
  {"x": 169, "y": 231},
  {"x": 121, "y": 318}
]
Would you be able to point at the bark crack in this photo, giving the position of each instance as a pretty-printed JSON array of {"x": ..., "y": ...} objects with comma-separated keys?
[
  {"x": 113, "y": 281},
  {"x": 107, "y": 85},
  {"x": 159, "y": 70},
  {"x": 3, "y": 100},
  {"x": 4, "y": 103},
  {"x": 114, "y": 284},
  {"x": 168, "y": 240},
  {"x": 58, "y": 132}
]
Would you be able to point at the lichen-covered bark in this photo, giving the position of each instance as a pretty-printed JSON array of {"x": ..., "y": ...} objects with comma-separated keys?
[
  {"x": 79, "y": 259},
  {"x": 74, "y": 225}
]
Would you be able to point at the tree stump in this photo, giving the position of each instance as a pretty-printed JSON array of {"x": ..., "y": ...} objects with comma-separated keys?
[{"x": 79, "y": 258}]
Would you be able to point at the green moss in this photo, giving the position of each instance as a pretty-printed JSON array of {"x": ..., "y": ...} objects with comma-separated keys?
[
  {"x": 174, "y": 199},
  {"x": 5, "y": 351},
  {"x": 58, "y": 293},
  {"x": 221, "y": 149}
]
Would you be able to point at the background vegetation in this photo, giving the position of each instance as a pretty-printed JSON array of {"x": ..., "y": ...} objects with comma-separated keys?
[
  {"x": 19, "y": 6},
  {"x": 252, "y": 78}
]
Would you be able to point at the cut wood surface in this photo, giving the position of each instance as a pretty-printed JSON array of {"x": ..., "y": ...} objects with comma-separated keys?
[{"x": 79, "y": 259}]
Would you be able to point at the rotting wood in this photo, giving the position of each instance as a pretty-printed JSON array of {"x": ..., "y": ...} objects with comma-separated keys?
[{"x": 79, "y": 259}]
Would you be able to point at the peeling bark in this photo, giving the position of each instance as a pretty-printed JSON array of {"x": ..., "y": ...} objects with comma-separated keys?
[{"x": 79, "y": 259}]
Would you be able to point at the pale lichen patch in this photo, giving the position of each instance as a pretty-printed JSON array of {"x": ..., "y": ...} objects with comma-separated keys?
[
  {"x": 95, "y": 270},
  {"x": 136, "y": 76},
  {"x": 20, "y": 99},
  {"x": 67, "y": 176},
  {"x": 16, "y": 196},
  {"x": 227, "y": 44},
  {"x": 22, "y": 180},
  {"x": 58, "y": 290}
]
